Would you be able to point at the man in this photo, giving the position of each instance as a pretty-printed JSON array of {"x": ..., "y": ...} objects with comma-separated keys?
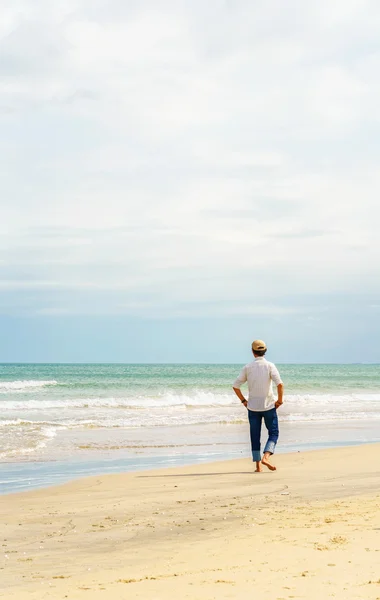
[{"x": 261, "y": 403}]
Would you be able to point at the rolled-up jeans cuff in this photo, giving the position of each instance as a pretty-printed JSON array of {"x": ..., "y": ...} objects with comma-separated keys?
[
  {"x": 256, "y": 455},
  {"x": 270, "y": 447}
]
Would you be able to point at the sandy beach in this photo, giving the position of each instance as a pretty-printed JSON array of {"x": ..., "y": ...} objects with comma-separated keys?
[{"x": 310, "y": 530}]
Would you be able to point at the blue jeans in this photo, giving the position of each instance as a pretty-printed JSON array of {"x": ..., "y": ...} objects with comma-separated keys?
[{"x": 271, "y": 423}]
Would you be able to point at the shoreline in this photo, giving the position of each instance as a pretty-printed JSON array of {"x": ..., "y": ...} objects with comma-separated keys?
[
  {"x": 171, "y": 470},
  {"x": 310, "y": 530},
  {"x": 16, "y": 477},
  {"x": 80, "y": 453}
]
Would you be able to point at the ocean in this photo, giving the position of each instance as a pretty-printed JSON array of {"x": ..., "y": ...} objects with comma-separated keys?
[{"x": 62, "y": 421}]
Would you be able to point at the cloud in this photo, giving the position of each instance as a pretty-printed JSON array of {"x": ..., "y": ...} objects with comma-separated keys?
[{"x": 158, "y": 157}]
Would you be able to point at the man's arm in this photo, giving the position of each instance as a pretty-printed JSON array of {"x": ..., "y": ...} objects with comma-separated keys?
[
  {"x": 280, "y": 395},
  {"x": 276, "y": 378},
  {"x": 240, "y": 396},
  {"x": 236, "y": 386}
]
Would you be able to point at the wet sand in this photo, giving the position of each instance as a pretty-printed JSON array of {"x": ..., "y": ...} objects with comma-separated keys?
[{"x": 310, "y": 530}]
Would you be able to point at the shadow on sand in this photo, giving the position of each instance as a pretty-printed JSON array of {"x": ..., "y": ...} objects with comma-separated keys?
[{"x": 207, "y": 474}]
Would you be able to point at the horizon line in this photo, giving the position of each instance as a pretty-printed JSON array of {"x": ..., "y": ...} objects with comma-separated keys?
[{"x": 178, "y": 363}]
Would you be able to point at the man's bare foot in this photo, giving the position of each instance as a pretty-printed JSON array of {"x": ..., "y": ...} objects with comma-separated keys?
[
  {"x": 265, "y": 461},
  {"x": 258, "y": 470}
]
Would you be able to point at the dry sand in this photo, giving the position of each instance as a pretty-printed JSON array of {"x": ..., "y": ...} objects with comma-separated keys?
[{"x": 310, "y": 530}]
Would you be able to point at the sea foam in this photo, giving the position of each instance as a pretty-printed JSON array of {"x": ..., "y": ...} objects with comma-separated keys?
[{"x": 8, "y": 386}]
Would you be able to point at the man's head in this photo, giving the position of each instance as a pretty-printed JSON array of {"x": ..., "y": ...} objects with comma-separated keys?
[{"x": 259, "y": 348}]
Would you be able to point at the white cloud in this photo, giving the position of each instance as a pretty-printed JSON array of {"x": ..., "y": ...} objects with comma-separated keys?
[{"x": 175, "y": 154}]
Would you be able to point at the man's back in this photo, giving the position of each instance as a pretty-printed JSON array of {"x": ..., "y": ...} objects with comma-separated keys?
[
  {"x": 261, "y": 403},
  {"x": 259, "y": 375}
]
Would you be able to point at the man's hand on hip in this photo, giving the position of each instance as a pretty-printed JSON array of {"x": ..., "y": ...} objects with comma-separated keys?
[
  {"x": 240, "y": 396},
  {"x": 280, "y": 395}
]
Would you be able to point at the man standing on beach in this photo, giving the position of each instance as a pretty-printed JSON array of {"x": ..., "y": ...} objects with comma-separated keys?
[{"x": 261, "y": 403}]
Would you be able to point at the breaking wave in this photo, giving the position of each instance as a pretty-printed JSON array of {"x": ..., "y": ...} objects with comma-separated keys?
[
  {"x": 199, "y": 400},
  {"x": 9, "y": 386}
]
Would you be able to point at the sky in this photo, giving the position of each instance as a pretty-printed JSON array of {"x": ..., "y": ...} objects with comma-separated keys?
[{"x": 180, "y": 177}]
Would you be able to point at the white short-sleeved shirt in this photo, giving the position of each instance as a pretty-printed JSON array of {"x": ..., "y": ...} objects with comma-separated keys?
[{"x": 259, "y": 374}]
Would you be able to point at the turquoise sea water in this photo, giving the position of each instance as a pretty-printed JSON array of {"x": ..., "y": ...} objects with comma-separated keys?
[{"x": 98, "y": 412}]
